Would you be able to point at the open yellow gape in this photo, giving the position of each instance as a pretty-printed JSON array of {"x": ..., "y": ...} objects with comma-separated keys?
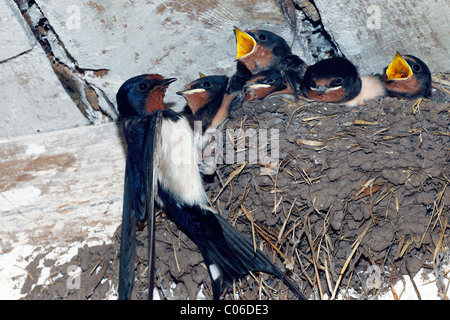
[
  {"x": 245, "y": 43},
  {"x": 398, "y": 69}
]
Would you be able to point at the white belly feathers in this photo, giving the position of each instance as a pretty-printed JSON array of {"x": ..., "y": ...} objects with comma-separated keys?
[{"x": 178, "y": 158}]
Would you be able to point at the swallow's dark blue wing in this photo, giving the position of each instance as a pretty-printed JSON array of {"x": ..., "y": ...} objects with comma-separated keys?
[
  {"x": 293, "y": 70},
  {"x": 150, "y": 167},
  {"x": 139, "y": 194},
  {"x": 251, "y": 259},
  {"x": 128, "y": 241},
  {"x": 236, "y": 86},
  {"x": 227, "y": 254},
  {"x": 237, "y": 101},
  {"x": 238, "y": 80},
  {"x": 135, "y": 134}
]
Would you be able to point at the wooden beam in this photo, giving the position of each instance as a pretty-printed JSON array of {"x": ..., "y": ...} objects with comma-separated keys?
[{"x": 61, "y": 186}]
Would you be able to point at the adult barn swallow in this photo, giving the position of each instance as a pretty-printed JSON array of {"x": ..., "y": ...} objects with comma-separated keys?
[
  {"x": 140, "y": 101},
  {"x": 162, "y": 166},
  {"x": 261, "y": 50},
  {"x": 336, "y": 80},
  {"x": 407, "y": 77}
]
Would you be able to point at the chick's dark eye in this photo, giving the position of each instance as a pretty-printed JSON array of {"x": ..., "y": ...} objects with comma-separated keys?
[
  {"x": 416, "y": 67},
  {"x": 143, "y": 86},
  {"x": 206, "y": 84},
  {"x": 270, "y": 80},
  {"x": 338, "y": 81},
  {"x": 262, "y": 37}
]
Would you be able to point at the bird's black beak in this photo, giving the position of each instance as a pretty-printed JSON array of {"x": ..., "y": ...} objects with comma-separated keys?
[
  {"x": 321, "y": 89},
  {"x": 166, "y": 82}
]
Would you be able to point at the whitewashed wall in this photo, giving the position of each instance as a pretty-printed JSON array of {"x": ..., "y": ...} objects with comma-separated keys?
[
  {"x": 173, "y": 38},
  {"x": 31, "y": 97},
  {"x": 369, "y": 32},
  {"x": 181, "y": 39}
]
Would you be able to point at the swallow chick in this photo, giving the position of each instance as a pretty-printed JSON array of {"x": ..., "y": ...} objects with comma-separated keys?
[
  {"x": 336, "y": 80},
  {"x": 206, "y": 97},
  {"x": 407, "y": 77},
  {"x": 262, "y": 50},
  {"x": 266, "y": 84},
  {"x": 162, "y": 166}
]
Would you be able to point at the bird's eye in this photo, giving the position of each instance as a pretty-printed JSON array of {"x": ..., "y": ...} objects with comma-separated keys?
[
  {"x": 206, "y": 84},
  {"x": 416, "y": 68},
  {"x": 270, "y": 80},
  {"x": 143, "y": 86},
  {"x": 338, "y": 81},
  {"x": 262, "y": 37}
]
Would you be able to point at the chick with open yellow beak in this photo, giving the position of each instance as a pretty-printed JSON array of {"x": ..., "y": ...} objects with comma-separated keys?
[
  {"x": 261, "y": 50},
  {"x": 398, "y": 69},
  {"x": 407, "y": 77}
]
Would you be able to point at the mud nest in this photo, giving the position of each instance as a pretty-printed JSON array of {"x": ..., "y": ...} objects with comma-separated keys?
[{"x": 360, "y": 197}]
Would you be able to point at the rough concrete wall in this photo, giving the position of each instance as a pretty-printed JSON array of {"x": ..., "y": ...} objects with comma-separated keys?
[
  {"x": 31, "y": 97},
  {"x": 54, "y": 186},
  {"x": 174, "y": 38},
  {"x": 63, "y": 62},
  {"x": 95, "y": 46},
  {"x": 369, "y": 32}
]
